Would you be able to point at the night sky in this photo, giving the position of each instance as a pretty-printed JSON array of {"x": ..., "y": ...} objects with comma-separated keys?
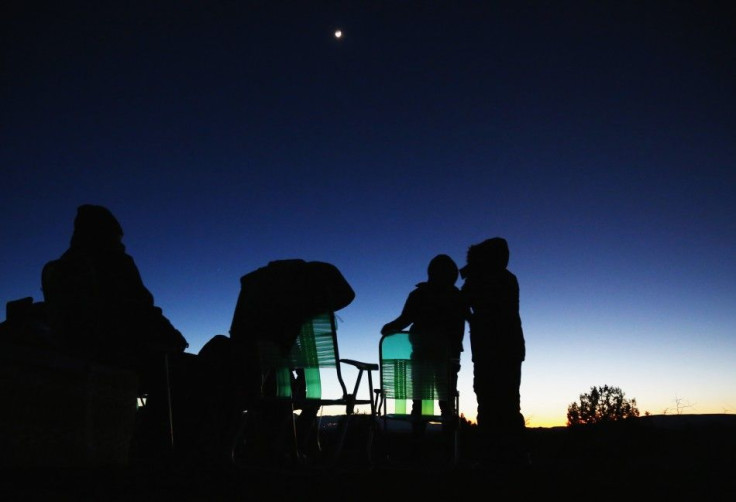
[{"x": 598, "y": 138}]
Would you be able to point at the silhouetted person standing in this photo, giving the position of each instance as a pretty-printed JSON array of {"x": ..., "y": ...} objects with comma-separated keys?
[
  {"x": 97, "y": 304},
  {"x": 436, "y": 312},
  {"x": 498, "y": 349}
]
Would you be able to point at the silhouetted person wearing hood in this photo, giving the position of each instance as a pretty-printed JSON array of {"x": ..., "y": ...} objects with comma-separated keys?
[
  {"x": 436, "y": 312},
  {"x": 96, "y": 297},
  {"x": 498, "y": 349},
  {"x": 99, "y": 307}
]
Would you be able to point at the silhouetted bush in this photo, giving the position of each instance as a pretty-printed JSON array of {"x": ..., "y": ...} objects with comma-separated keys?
[{"x": 601, "y": 405}]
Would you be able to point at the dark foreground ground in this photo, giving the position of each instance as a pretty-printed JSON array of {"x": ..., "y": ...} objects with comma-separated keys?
[{"x": 657, "y": 458}]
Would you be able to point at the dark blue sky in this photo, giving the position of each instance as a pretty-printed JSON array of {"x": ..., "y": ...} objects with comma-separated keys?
[{"x": 597, "y": 137}]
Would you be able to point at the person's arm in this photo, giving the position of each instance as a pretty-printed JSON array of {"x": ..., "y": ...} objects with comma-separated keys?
[
  {"x": 397, "y": 324},
  {"x": 401, "y": 322}
]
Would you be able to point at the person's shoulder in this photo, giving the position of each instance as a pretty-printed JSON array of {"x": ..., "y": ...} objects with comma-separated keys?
[
  {"x": 510, "y": 280},
  {"x": 71, "y": 259},
  {"x": 419, "y": 289},
  {"x": 126, "y": 259},
  {"x": 453, "y": 292},
  {"x": 416, "y": 294},
  {"x": 51, "y": 264}
]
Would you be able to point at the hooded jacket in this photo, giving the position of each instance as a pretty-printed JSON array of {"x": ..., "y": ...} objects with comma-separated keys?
[
  {"x": 492, "y": 293},
  {"x": 95, "y": 297}
]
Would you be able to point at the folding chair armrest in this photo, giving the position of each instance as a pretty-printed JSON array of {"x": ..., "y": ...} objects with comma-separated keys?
[{"x": 361, "y": 365}]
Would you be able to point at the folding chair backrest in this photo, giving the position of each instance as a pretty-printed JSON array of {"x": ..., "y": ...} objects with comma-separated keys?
[
  {"x": 315, "y": 348},
  {"x": 405, "y": 377},
  {"x": 314, "y": 356}
]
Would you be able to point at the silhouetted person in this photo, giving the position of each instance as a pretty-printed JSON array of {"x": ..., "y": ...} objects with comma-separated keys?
[
  {"x": 497, "y": 346},
  {"x": 436, "y": 312},
  {"x": 101, "y": 310},
  {"x": 273, "y": 304}
]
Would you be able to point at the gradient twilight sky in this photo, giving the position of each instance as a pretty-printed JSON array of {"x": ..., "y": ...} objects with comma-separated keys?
[{"x": 598, "y": 138}]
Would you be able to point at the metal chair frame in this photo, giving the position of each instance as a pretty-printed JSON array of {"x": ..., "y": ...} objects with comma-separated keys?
[
  {"x": 401, "y": 382},
  {"x": 302, "y": 356}
]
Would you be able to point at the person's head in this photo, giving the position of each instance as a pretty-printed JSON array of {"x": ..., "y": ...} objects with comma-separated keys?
[
  {"x": 96, "y": 226},
  {"x": 442, "y": 269},
  {"x": 491, "y": 254}
]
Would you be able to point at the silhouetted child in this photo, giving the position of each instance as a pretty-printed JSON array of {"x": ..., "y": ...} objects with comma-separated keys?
[
  {"x": 498, "y": 348},
  {"x": 436, "y": 312}
]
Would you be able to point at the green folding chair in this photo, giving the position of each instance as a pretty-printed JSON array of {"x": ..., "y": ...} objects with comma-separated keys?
[
  {"x": 314, "y": 357},
  {"x": 409, "y": 373}
]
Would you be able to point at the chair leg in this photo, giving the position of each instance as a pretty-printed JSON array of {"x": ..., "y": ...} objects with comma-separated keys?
[
  {"x": 356, "y": 441},
  {"x": 168, "y": 400},
  {"x": 250, "y": 443}
]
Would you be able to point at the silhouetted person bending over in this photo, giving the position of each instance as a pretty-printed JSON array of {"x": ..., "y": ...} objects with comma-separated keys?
[
  {"x": 436, "y": 312},
  {"x": 498, "y": 348},
  {"x": 99, "y": 307}
]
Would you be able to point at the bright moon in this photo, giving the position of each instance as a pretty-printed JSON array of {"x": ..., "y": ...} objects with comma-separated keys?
[{"x": 338, "y": 34}]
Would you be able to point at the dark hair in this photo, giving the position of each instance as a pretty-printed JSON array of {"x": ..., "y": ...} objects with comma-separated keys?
[
  {"x": 443, "y": 269},
  {"x": 490, "y": 254}
]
